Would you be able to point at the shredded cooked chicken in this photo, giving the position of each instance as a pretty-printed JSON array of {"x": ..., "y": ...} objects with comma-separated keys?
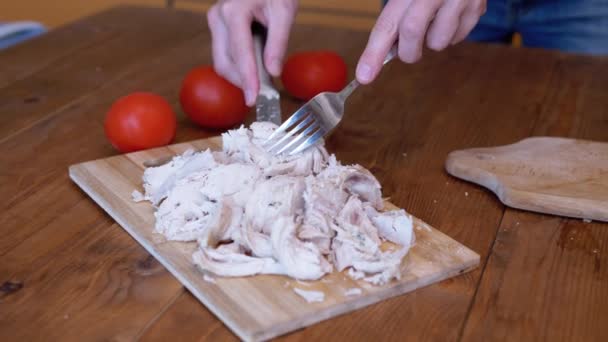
[
  {"x": 255, "y": 213},
  {"x": 310, "y": 296},
  {"x": 355, "y": 291}
]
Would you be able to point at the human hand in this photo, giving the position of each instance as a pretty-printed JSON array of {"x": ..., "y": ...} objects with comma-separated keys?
[
  {"x": 232, "y": 42},
  {"x": 442, "y": 22}
]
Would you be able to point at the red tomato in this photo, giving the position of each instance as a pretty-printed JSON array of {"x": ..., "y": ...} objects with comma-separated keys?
[
  {"x": 307, "y": 74},
  {"x": 139, "y": 121},
  {"x": 211, "y": 101}
]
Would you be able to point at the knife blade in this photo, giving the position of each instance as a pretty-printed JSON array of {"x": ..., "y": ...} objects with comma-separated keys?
[{"x": 268, "y": 101}]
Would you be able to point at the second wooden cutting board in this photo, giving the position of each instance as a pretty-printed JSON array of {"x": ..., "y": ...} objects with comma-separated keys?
[
  {"x": 559, "y": 176},
  {"x": 260, "y": 307}
]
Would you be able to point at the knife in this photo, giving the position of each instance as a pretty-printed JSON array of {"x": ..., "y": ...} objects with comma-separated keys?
[{"x": 267, "y": 104}]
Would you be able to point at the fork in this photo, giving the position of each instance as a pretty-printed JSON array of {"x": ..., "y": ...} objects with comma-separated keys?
[{"x": 317, "y": 118}]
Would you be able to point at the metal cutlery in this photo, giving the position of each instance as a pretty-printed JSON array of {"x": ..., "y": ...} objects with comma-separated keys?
[
  {"x": 314, "y": 120},
  {"x": 267, "y": 104}
]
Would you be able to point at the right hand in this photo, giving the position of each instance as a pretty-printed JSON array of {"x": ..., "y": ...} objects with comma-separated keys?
[
  {"x": 410, "y": 22},
  {"x": 232, "y": 42}
]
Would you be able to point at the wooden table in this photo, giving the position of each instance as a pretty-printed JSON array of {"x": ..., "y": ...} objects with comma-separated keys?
[{"x": 68, "y": 272}]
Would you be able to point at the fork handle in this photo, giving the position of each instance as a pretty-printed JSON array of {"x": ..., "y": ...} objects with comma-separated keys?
[
  {"x": 344, "y": 93},
  {"x": 391, "y": 54},
  {"x": 259, "y": 40}
]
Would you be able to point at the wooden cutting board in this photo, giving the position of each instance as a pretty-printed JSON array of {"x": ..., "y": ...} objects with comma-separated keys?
[
  {"x": 260, "y": 307},
  {"x": 559, "y": 176}
]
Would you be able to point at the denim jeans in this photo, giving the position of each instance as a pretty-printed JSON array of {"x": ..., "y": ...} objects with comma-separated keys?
[
  {"x": 17, "y": 32},
  {"x": 579, "y": 26},
  {"x": 569, "y": 25}
]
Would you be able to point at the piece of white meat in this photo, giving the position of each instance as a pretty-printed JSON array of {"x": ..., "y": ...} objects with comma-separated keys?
[
  {"x": 273, "y": 198},
  {"x": 357, "y": 243},
  {"x": 246, "y": 146},
  {"x": 309, "y": 295},
  {"x": 233, "y": 180},
  {"x": 186, "y": 214},
  {"x": 396, "y": 226},
  {"x": 253, "y": 212},
  {"x": 229, "y": 225},
  {"x": 355, "y": 180},
  {"x": 158, "y": 181},
  {"x": 302, "y": 260},
  {"x": 232, "y": 262},
  {"x": 323, "y": 202}
]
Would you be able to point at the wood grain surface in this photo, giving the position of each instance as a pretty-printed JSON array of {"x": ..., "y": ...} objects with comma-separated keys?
[
  {"x": 69, "y": 272},
  {"x": 560, "y": 176},
  {"x": 546, "y": 277},
  {"x": 261, "y": 307}
]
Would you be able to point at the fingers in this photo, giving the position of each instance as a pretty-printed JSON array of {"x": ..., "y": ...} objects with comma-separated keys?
[
  {"x": 469, "y": 19},
  {"x": 222, "y": 62},
  {"x": 441, "y": 22},
  {"x": 413, "y": 28},
  {"x": 240, "y": 45},
  {"x": 443, "y": 28},
  {"x": 280, "y": 16},
  {"x": 381, "y": 39},
  {"x": 233, "y": 54}
]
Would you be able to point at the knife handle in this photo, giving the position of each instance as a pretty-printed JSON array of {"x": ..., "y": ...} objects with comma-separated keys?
[{"x": 259, "y": 40}]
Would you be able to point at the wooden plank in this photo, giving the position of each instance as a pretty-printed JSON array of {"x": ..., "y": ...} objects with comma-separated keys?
[
  {"x": 40, "y": 205},
  {"x": 19, "y": 62},
  {"x": 20, "y": 174},
  {"x": 190, "y": 315},
  {"x": 319, "y": 17},
  {"x": 77, "y": 292},
  {"x": 400, "y": 115},
  {"x": 54, "y": 14},
  {"x": 60, "y": 84},
  {"x": 52, "y": 144},
  {"x": 545, "y": 280},
  {"x": 45, "y": 147},
  {"x": 551, "y": 175},
  {"x": 261, "y": 307},
  {"x": 360, "y": 6},
  {"x": 546, "y": 277},
  {"x": 19, "y": 224},
  {"x": 467, "y": 96},
  {"x": 60, "y": 230},
  {"x": 330, "y": 20},
  {"x": 426, "y": 131},
  {"x": 342, "y": 7}
]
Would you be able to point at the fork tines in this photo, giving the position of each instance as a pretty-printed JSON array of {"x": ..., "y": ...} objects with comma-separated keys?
[{"x": 301, "y": 130}]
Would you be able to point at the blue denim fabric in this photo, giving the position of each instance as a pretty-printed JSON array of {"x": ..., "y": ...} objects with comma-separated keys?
[
  {"x": 569, "y": 25},
  {"x": 27, "y": 32}
]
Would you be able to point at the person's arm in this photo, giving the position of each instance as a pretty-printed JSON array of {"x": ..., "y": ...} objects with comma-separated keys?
[
  {"x": 230, "y": 25},
  {"x": 408, "y": 22}
]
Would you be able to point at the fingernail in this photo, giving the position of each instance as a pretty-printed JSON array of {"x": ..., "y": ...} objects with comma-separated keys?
[
  {"x": 249, "y": 97},
  {"x": 364, "y": 72}
]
